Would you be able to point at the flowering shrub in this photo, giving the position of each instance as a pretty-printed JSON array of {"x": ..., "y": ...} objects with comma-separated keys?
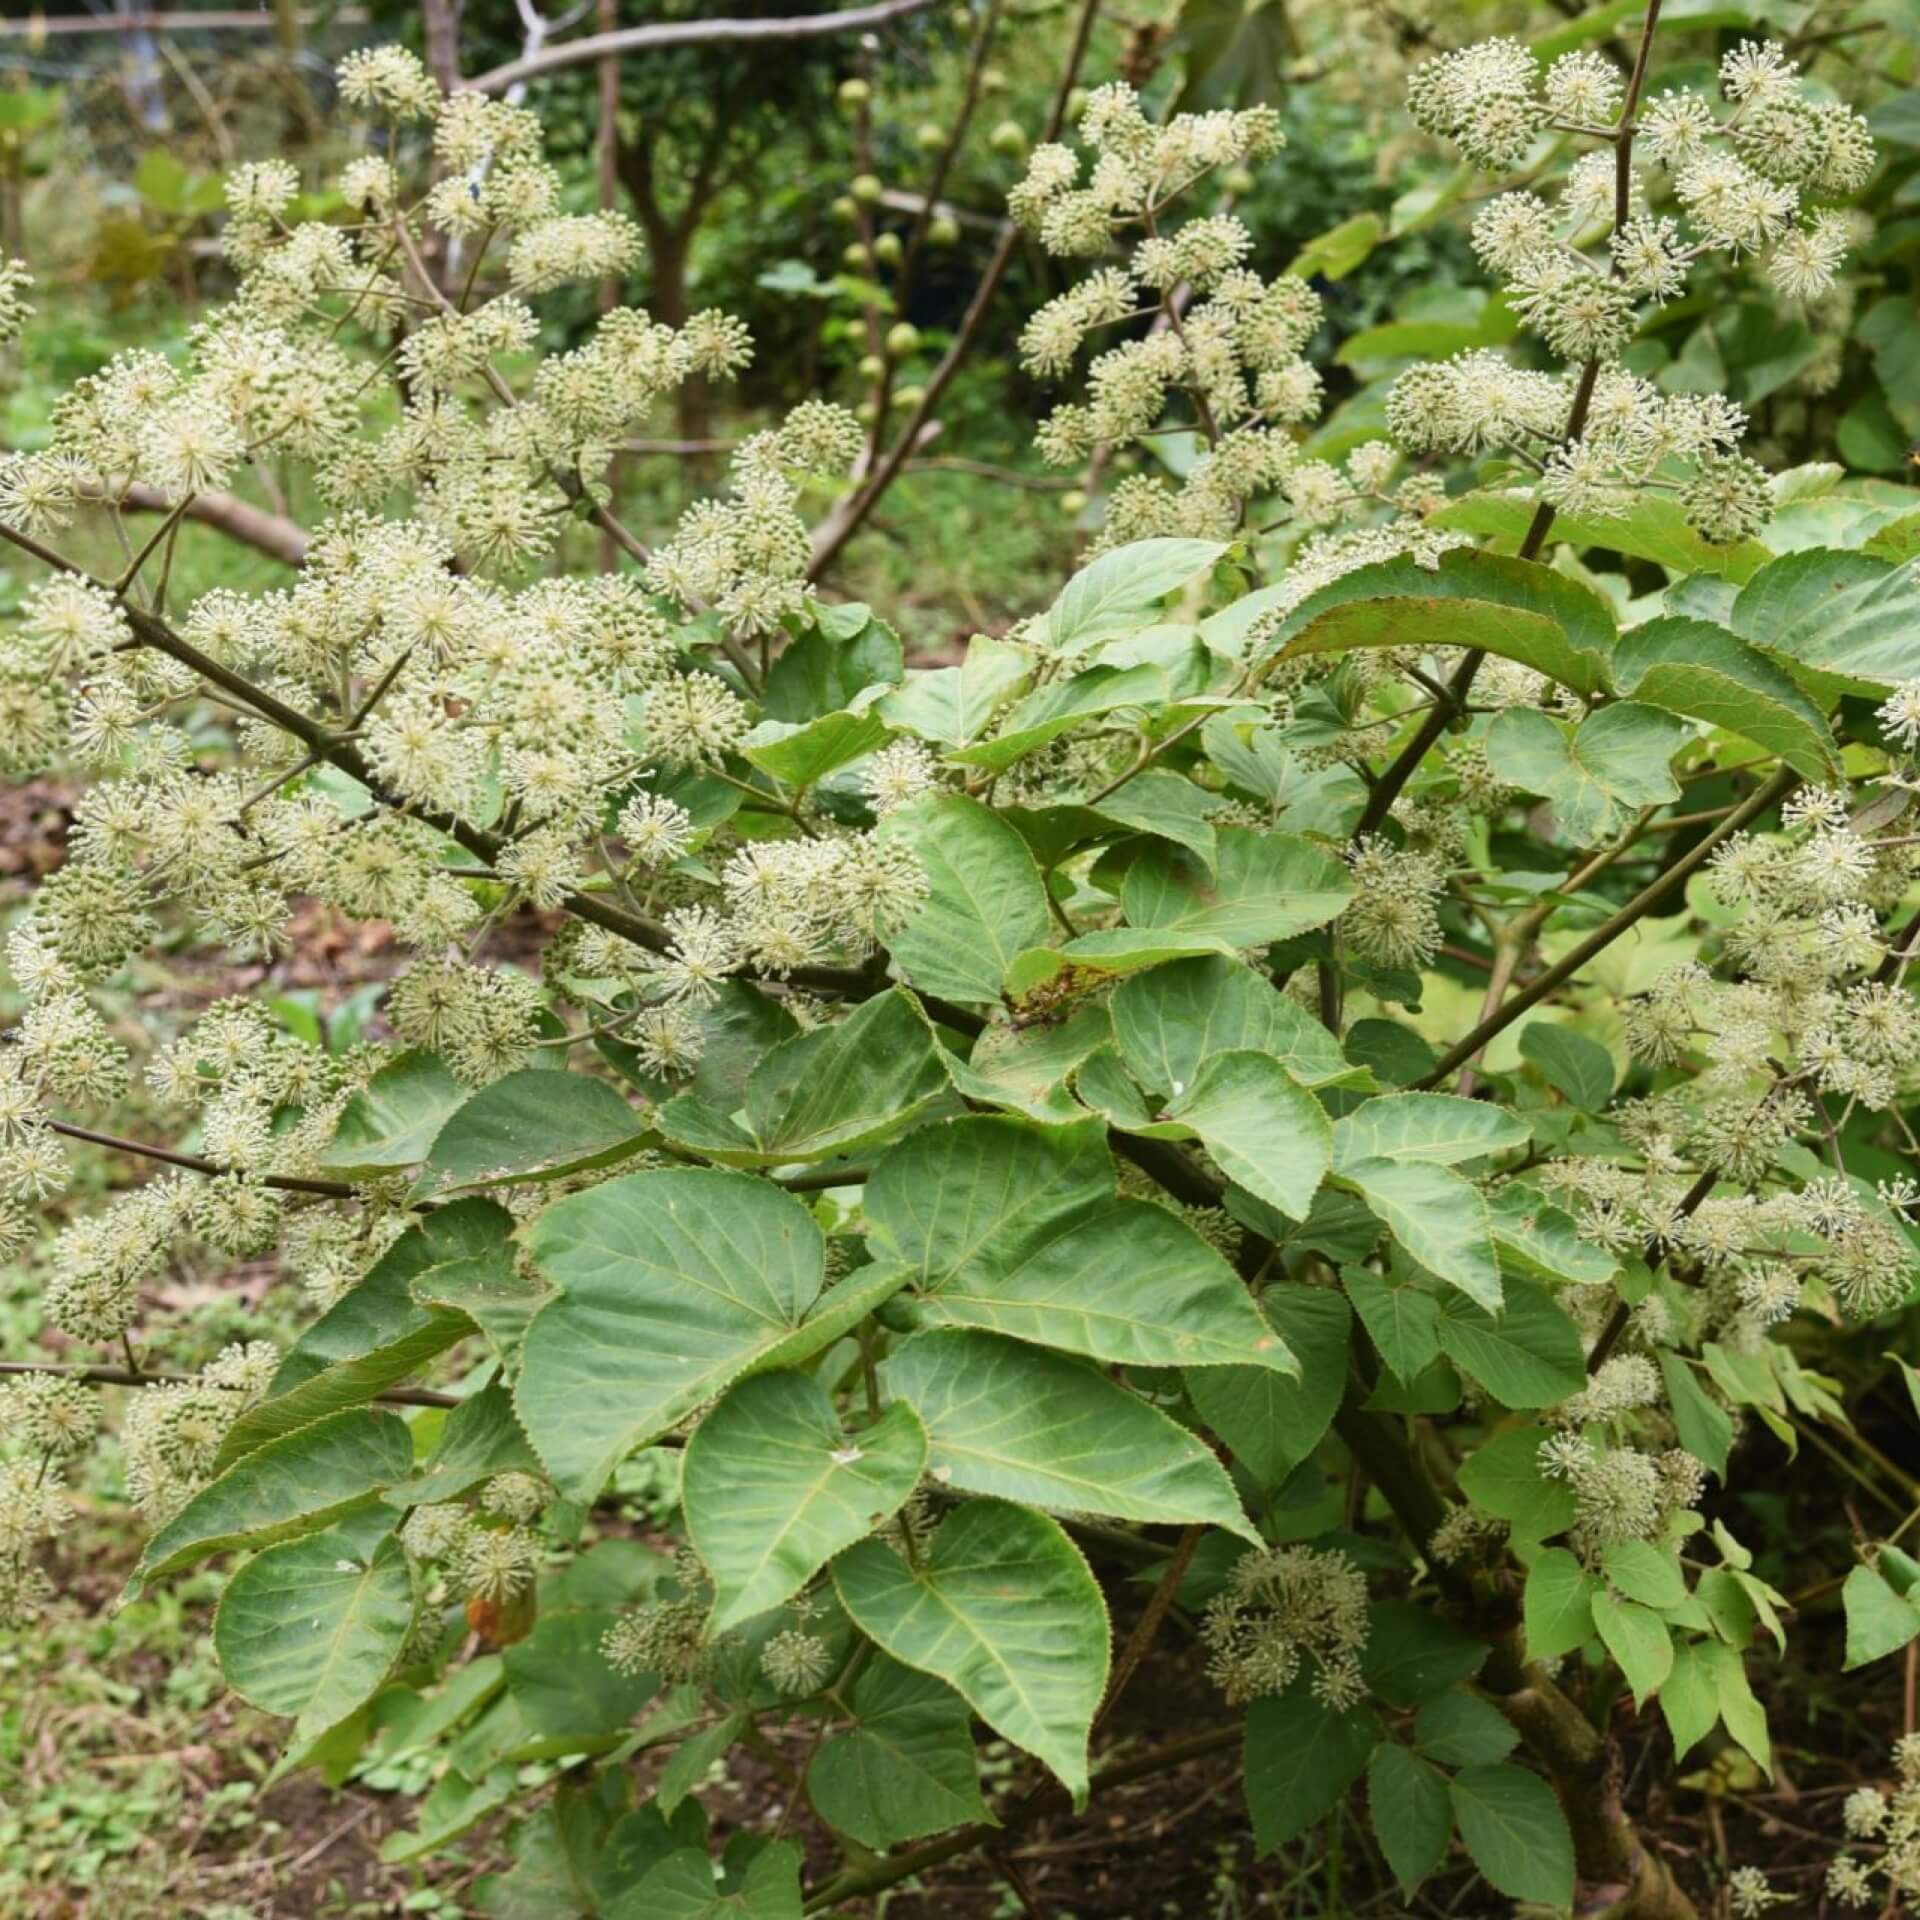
[{"x": 975, "y": 1124}]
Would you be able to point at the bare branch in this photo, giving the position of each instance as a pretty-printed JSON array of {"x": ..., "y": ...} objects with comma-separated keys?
[
  {"x": 252, "y": 526},
  {"x": 690, "y": 33}
]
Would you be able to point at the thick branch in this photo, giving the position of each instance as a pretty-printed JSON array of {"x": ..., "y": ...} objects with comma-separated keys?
[
  {"x": 268, "y": 533},
  {"x": 689, "y": 33}
]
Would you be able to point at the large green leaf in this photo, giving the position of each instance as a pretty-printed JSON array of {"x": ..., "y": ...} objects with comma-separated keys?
[
  {"x": 391, "y": 1122},
  {"x": 1645, "y": 1572},
  {"x": 479, "y": 1438},
  {"x": 1025, "y": 1070},
  {"x": 1879, "y": 1620},
  {"x": 1579, "y": 1069},
  {"x": 825, "y": 1092},
  {"x": 953, "y": 706},
  {"x": 1414, "y": 1655},
  {"x": 1463, "y": 1729},
  {"x": 738, "y": 1027},
  {"x": 773, "y": 1488},
  {"x": 1704, "y": 1426},
  {"x": 1614, "y": 762},
  {"x": 1527, "y": 1355},
  {"x": 1001, "y": 1607},
  {"x": 682, "y": 1887},
  {"x": 823, "y": 668},
  {"x": 1412, "y": 1815},
  {"x": 295, "y": 1484},
  {"x": 1265, "y": 1131},
  {"x": 953, "y": 1196},
  {"x": 1170, "y": 1020},
  {"x": 1118, "y": 592},
  {"x": 1558, "y": 1607},
  {"x": 1265, "y": 887},
  {"x": 1516, "y": 608},
  {"x": 1638, "y": 1639},
  {"x": 1539, "y": 1242},
  {"x": 1653, "y": 528},
  {"x": 1168, "y": 804},
  {"x": 906, "y": 1766},
  {"x": 1108, "y": 953},
  {"x": 1503, "y": 1477},
  {"x": 1024, "y": 1424},
  {"x": 533, "y": 1125},
  {"x": 1436, "y": 1217},
  {"x": 1437, "y": 1128},
  {"x": 1060, "y": 706},
  {"x": 1696, "y": 668},
  {"x": 1401, "y": 1317},
  {"x": 1273, "y": 1423},
  {"x": 985, "y": 902},
  {"x": 561, "y": 1682},
  {"x": 311, "y": 1628},
  {"x": 1017, "y": 1229},
  {"x": 456, "y": 1805},
  {"x": 1691, "y": 1700},
  {"x": 380, "y": 1330},
  {"x": 1515, "y": 1832},
  {"x": 1851, "y": 619},
  {"x": 672, "y": 1285},
  {"x": 1301, "y": 1757},
  {"x": 803, "y": 752}
]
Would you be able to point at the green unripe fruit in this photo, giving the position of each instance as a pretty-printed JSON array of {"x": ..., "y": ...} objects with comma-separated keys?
[
  {"x": 887, "y": 249},
  {"x": 866, "y": 413},
  {"x": 902, "y": 338},
  {"x": 907, "y": 398},
  {"x": 942, "y": 231},
  {"x": 1076, "y": 103},
  {"x": 992, "y": 80},
  {"x": 854, "y": 94},
  {"x": 929, "y": 138},
  {"x": 1073, "y": 503},
  {"x": 844, "y": 208},
  {"x": 866, "y": 188},
  {"x": 856, "y": 256},
  {"x": 1009, "y": 138},
  {"x": 1237, "y": 180},
  {"x": 871, "y": 366}
]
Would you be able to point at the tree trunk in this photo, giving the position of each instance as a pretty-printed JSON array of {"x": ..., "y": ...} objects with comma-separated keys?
[
  {"x": 1618, "y": 1878},
  {"x": 440, "y": 26}
]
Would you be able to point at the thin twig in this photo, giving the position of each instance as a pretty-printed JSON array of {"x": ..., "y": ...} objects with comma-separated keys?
[
  {"x": 146, "y": 1150},
  {"x": 144, "y": 1377},
  {"x": 1140, "y": 1640},
  {"x": 1603, "y": 936}
]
